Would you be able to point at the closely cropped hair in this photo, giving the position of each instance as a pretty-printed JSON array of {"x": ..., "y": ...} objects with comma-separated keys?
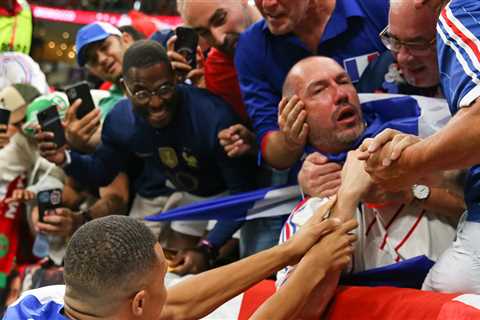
[
  {"x": 144, "y": 54},
  {"x": 134, "y": 33},
  {"x": 109, "y": 256}
]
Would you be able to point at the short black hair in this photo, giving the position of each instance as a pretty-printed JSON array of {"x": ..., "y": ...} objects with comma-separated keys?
[
  {"x": 134, "y": 33},
  {"x": 108, "y": 257},
  {"x": 144, "y": 54}
]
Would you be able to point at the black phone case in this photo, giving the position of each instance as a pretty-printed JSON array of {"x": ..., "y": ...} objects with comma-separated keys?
[
  {"x": 48, "y": 200},
  {"x": 4, "y": 117},
  {"x": 49, "y": 120},
  {"x": 81, "y": 90},
  {"x": 186, "y": 44}
]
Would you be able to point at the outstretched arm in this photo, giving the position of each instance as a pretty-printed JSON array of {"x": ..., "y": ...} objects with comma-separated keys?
[
  {"x": 324, "y": 260},
  {"x": 450, "y": 148},
  {"x": 201, "y": 294}
]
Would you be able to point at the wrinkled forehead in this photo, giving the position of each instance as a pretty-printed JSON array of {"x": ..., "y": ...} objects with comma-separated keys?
[{"x": 322, "y": 69}]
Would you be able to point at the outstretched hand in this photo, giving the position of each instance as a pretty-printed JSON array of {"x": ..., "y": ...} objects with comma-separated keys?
[
  {"x": 237, "y": 141},
  {"x": 188, "y": 261},
  {"x": 387, "y": 161}
]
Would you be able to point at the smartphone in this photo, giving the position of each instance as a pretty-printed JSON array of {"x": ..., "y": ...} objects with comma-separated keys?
[
  {"x": 4, "y": 118},
  {"x": 186, "y": 44},
  {"x": 49, "y": 120},
  {"x": 48, "y": 200},
  {"x": 81, "y": 90}
]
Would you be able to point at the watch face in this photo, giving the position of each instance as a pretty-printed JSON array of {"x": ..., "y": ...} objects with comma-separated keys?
[{"x": 421, "y": 192}]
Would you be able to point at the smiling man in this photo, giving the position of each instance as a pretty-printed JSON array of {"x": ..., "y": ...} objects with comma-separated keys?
[
  {"x": 174, "y": 129},
  {"x": 410, "y": 67}
]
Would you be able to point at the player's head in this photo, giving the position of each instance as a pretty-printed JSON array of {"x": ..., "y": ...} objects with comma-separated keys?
[
  {"x": 149, "y": 82},
  {"x": 412, "y": 41},
  {"x": 217, "y": 21},
  {"x": 100, "y": 48},
  {"x": 283, "y": 16},
  {"x": 114, "y": 268},
  {"x": 333, "y": 109}
]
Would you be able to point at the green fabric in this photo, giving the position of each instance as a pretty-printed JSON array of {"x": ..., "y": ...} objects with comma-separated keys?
[
  {"x": 106, "y": 104},
  {"x": 21, "y": 24},
  {"x": 3, "y": 280},
  {"x": 40, "y": 104}
]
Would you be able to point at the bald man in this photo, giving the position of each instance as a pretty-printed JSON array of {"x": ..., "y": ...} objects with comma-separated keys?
[{"x": 337, "y": 124}]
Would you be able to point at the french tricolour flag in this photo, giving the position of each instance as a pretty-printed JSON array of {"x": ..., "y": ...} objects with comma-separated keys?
[
  {"x": 356, "y": 66},
  {"x": 268, "y": 202}
]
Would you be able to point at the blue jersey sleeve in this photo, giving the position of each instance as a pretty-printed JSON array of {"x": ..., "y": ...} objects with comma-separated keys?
[
  {"x": 260, "y": 99},
  {"x": 100, "y": 168},
  {"x": 458, "y": 51}
]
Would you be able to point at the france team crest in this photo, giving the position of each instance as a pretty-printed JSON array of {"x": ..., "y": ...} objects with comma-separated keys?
[{"x": 356, "y": 66}]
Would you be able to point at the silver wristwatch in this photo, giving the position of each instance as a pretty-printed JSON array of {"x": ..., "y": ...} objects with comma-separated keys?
[{"x": 420, "y": 191}]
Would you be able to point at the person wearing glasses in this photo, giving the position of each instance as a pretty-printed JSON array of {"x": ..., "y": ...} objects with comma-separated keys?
[
  {"x": 173, "y": 129},
  {"x": 410, "y": 67}
]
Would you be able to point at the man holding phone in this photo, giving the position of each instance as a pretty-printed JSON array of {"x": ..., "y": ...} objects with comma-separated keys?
[
  {"x": 221, "y": 24},
  {"x": 174, "y": 129}
]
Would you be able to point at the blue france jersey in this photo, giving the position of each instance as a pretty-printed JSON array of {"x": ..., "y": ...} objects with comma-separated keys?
[
  {"x": 458, "y": 48},
  {"x": 186, "y": 152},
  {"x": 263, "y": 59},
  {"x": 40, "y": 304}
]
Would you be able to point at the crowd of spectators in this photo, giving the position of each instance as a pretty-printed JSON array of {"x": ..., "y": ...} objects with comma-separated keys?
[{"x": 368, "y": 106}]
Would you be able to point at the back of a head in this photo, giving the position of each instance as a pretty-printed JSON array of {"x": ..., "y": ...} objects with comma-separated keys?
[
  {"x": 144, "y": 54},
  {"x": 109, "y": 257}
]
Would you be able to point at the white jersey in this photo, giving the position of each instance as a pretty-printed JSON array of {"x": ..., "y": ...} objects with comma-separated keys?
[{"x": 385, "y": 235}]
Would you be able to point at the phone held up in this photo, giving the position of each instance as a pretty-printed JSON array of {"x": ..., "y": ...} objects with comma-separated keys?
[
  {"x": 48, "y": 200},
  {"x": 49, "y": 120},
  {"x": 81, "y": 90},
  {"x": 4, "y": 118},
  {"x": 186, "y": 44}
]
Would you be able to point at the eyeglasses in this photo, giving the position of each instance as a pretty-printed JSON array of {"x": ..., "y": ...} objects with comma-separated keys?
[
  {"x": 420, "y": 48},
  {"x": 144, "y": 96}
]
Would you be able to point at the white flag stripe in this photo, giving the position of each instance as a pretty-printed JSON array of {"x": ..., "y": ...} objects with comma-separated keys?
[{"x": 473, "y": 300}]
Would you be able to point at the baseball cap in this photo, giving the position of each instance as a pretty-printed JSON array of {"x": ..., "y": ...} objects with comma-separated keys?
[
  {"x": 15, "y": 98},
  {"x": 41, "y": 103},
  {"x": 91, "y": 33}
]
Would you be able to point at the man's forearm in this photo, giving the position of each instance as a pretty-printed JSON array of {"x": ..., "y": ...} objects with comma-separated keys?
[
  {"x": 203, "y": 293},
  {"x": 346, "y": 204},
  {"x": 453, "y": 147},
  {"x": 108, "y": 205},
  {"x": 113, "y": 198},
  {"x": 444, "y": 202},
  {"x": 277, "y": 153}
]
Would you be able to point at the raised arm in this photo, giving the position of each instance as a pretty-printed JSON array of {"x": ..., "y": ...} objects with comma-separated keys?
[
  {"x": 325, "y": 259},
  {"x": 201, "y": 294}
]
